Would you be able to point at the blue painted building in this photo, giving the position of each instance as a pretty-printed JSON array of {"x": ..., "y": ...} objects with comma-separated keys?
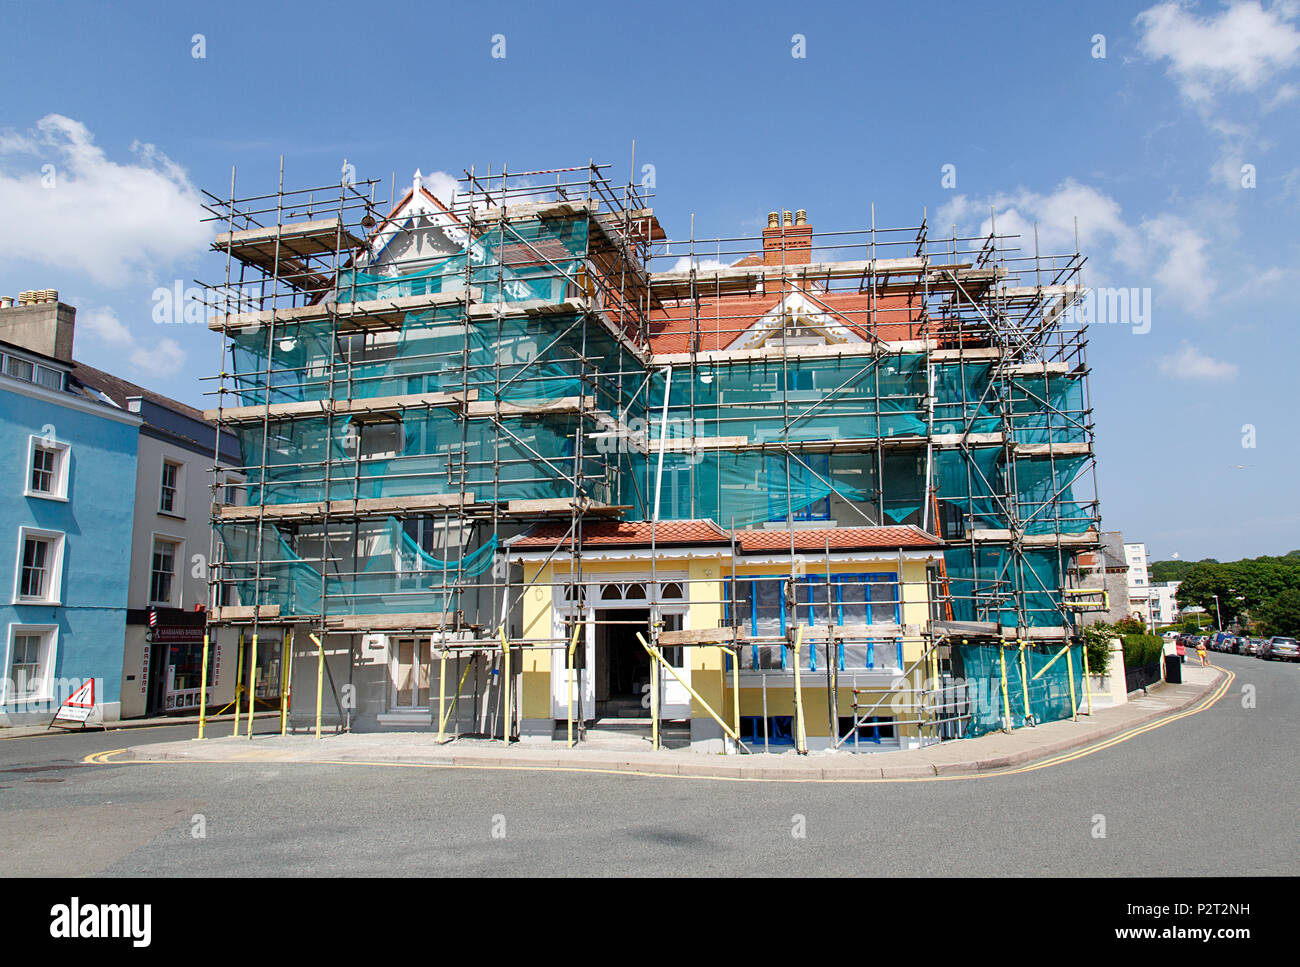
[{"x": 67, "y": 485}]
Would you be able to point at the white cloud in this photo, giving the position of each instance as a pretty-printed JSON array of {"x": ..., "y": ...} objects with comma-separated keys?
[
  {"x": 1166, "y": 249},
  {"x": 104, "y": 324},
  {"x": 1190, "y": 363},
  {"x": 683, "y": 264},
  {"x": 153, "y": 356},
  {"x": 1240, "y": 48},
  {"x": 114, "y": 221},
  {"x": 164, "y": 356}
]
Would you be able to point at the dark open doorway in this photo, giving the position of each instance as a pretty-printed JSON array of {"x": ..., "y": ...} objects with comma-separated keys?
[{"x": 622, "y": 666}]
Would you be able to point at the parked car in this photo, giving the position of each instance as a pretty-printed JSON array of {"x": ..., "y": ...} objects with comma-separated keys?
[
  {"x": 1283, "y": 648},
  {"x": 1251, "y": 647}
]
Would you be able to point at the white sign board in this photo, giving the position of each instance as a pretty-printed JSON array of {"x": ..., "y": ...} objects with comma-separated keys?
[{"x": 79, "y": 704}]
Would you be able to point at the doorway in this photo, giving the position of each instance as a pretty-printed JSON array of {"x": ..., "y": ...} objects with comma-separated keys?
[{"x": 622, "y": 665}]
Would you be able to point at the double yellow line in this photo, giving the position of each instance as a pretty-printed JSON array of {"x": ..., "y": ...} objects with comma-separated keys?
[{"x": 106, "y": 758}]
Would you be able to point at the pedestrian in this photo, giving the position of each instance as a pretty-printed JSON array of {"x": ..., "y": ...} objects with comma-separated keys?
[{"x": 1200, "y": 650}]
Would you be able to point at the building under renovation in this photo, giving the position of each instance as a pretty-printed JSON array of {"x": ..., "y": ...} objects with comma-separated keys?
[{"x": 520, "y": 465}]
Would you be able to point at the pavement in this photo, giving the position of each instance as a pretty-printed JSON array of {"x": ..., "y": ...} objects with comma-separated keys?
[
  {"x": 997, "y": 752},
  {"x": 27, "y": 731}
]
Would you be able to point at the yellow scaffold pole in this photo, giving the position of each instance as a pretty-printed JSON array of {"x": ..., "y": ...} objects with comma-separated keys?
[
  {"x": 1024, "y": 680},
  {"x": 239, "y": 679},
  {"x": 286, "y": 657},
  {"x": 1006, "y": 704},
  {"x": 1069, "y": 671},
  {"x": 657, "y": 656},
  {"x": 1087, "y": 685},
  {"x": 800, "y": 735},
  {"x": 442, "y": 693},
  {"x": 320, "y": 679},
  {"x": 573, "y": 645},
  {"x": 735, "y": 686},
  {"x": 203, "y": 688},
  {"x": 654, "y": 704},
  {"x": 505, "y": 645},
  {"x": 252, "y": 686}
]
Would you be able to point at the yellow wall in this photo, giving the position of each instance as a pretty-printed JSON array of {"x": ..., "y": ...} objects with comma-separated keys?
[{"x": 709, "y": 678}]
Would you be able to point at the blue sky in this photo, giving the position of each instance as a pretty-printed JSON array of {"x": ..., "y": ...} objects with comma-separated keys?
[{"x": 1146, "y": 146}]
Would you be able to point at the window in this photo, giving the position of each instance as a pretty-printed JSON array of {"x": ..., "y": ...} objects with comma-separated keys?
[
  {"x": 18, "y": 368},
  {"x": 30, "y": 372},
  {"x": 162, "y": 572},
  {"x": 47, "y": 469},
  {"x": 25, "y": 666},
  {"x": 169, "y": 500},
  {"x": 40, "y": 564},
  {"x": 31, "y": 651},
  {"x": 379, "y": 440}
]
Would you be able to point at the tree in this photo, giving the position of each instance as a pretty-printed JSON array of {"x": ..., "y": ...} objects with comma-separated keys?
[{"x": 1280, "y": 615}]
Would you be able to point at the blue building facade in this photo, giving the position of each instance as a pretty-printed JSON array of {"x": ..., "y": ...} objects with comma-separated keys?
[{"x": 67, "y": 484}]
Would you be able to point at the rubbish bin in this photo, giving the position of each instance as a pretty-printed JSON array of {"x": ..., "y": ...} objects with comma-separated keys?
[{"x": 1173, "y": 670}]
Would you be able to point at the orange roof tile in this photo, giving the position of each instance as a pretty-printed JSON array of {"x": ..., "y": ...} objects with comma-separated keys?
[
  {"x": 838, "y": 538},
  {"x": 608, "y": 533}
]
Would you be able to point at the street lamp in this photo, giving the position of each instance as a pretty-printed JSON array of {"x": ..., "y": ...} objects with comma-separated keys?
[{"x": 1217, "y": 617}]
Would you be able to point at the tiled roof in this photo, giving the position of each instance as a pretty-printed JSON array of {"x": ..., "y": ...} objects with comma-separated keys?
[
  {"x": 607, "y": 533},
  {"x": 838, "y": 538},
  {"x": 120, "y": 390},
  {"x": 694, "y": 533},
  {"x": 722, "y": 320}
]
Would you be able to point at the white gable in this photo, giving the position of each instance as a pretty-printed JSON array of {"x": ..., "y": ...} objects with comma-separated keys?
[{"x": 805, "y": 324}]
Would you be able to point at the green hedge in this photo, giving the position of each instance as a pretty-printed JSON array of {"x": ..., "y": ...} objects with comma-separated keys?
[{"x": 1141, "y": 650}]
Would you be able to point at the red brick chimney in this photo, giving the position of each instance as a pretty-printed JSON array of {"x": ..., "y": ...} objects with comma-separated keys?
[{"x": 786, "y": 240}]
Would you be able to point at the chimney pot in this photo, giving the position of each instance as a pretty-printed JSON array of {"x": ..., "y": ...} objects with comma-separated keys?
[
  {"x": 801, "y": 217},
  {"x": 786, "y": 215},
  {"x": 6, "y": 301},
  {"x": 773, "y": 220}
]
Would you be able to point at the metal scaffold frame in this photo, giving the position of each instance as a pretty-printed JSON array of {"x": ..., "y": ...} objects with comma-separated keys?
[{"x": 993, "y": 322}]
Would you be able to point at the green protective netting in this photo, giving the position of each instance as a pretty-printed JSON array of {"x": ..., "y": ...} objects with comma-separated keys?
[
  {"x": 524, "y": 261},
  {"x": 1047, "y": 409},
  {"x": 1048, "y": 684},
  {"x": 399, "y": 577},
  {"x": 978, "y": 583},
  {"x": 963, "y": 403},
  {"x": 1045, "y": 496},
  {"x": 392, "y": 573},
  {"x": 750, "y": 488},
  {"x": 818, "y": 399},
  {"x": 286, "y": 580},
  {"x": 515, "y": 359},
  {"x": 990, "y": 584},
  {"x": 968, "y": 480},
  {"x": 430, "y": 452}
]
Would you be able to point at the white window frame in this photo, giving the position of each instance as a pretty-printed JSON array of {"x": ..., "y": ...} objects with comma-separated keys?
[
  {"x": 178, "y": 545},
  {"x": 49, "y": 652},
  {"x": 64, "y": 451},
  {"x": 178, "y": 501},
  {"x": 54, "y": 586}
]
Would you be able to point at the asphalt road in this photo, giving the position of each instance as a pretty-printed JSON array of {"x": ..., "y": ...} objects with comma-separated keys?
[{"x": 1210, "y": 795}]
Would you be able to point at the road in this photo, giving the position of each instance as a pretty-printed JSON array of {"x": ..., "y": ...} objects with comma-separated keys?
[{"x": 1211, "y": 794}]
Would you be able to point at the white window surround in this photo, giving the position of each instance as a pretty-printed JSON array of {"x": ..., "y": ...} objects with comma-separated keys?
[
  {"x": 54, "y": 565},
  {"x": 178, "y": 496},
  {"x": 64, "y": 451},
  {"x": 178, "y": 569},
  {"x": 49, "y": 651}
]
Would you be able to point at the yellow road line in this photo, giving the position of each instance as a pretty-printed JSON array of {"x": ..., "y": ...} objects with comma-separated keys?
[{"x": 104, "y": 758}]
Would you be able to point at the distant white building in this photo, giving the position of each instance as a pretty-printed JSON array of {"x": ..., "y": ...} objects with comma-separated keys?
[
  {"x": 1164, "y": 608},
  {"x": 1139, "y": 582}
]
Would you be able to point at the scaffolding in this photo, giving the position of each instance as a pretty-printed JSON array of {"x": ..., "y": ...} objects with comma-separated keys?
[{"x": 415, "y": 384}]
